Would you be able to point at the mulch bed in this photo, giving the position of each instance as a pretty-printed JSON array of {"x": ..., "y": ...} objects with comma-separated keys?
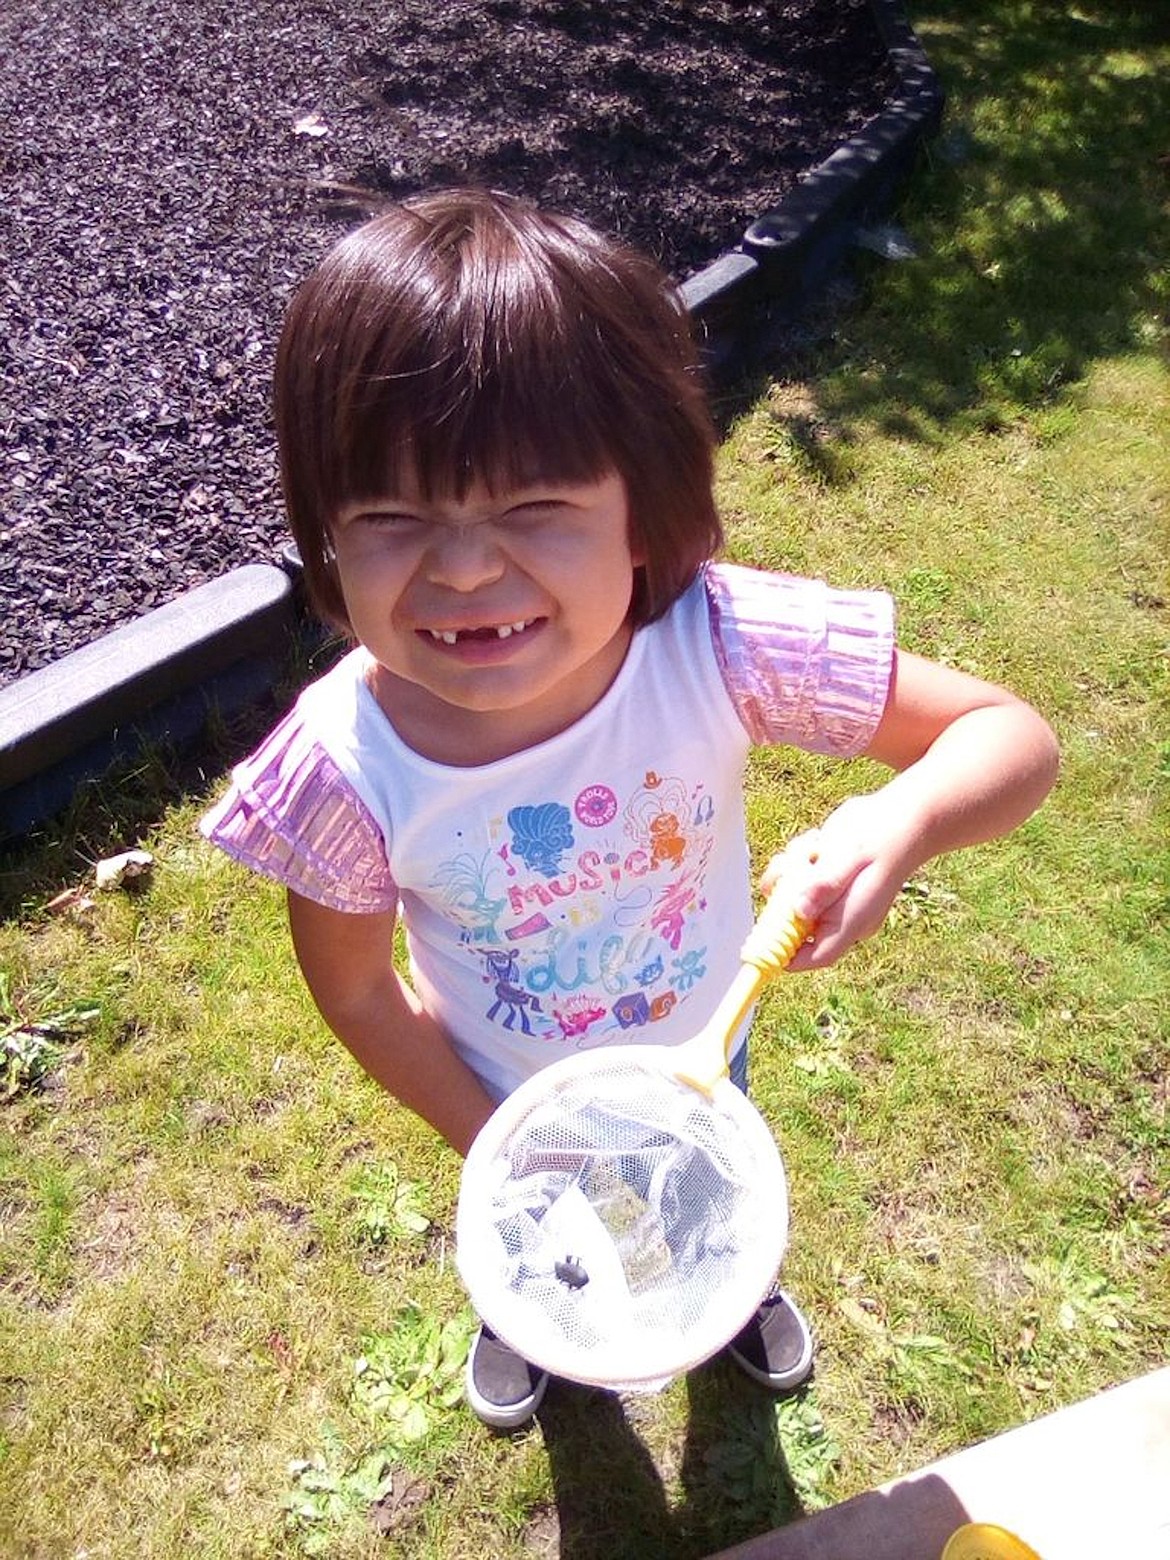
[{"x": 172, "y": 169}]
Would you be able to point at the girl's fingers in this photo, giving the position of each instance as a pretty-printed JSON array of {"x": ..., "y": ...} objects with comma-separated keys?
[
  {"x": 811, "y": 877},
  {"x": 793, "y": 862},
  {"x": 833, "y": 880}
]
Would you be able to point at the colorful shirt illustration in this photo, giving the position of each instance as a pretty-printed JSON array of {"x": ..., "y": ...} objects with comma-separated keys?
[{"x": 585, "y": 914}]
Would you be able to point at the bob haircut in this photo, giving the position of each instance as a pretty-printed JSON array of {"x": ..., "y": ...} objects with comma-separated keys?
[{"x": 464, "y": 336}]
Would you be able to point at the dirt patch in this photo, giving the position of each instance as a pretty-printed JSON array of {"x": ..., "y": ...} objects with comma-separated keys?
[{"x": 175, "y": 167}]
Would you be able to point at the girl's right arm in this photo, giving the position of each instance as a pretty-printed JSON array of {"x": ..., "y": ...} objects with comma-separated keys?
[{"x": 348, "y": 966}]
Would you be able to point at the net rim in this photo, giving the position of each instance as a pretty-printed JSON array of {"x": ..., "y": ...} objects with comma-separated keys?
[{"x": 650, "y": 1363}]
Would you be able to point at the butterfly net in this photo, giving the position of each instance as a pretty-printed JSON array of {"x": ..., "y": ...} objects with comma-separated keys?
[{"x": 616, "y": 1225}]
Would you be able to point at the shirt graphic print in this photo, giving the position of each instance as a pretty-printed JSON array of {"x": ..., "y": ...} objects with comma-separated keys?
[{"x": 584, "y": 914}]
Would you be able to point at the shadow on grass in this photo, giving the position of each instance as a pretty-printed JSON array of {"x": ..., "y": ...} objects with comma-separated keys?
[
  {"x": 119, "y": 809},
  {"x": 1053, "y": 172},
  {"x": 116, "y": 809},
  {"x": 611, "y": 1503}
]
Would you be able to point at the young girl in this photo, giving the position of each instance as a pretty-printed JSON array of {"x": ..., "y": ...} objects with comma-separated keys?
[{"x": 497, "y": 462}]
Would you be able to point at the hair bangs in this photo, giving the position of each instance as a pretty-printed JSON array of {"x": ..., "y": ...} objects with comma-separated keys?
[{"x": 481, "y": 391}]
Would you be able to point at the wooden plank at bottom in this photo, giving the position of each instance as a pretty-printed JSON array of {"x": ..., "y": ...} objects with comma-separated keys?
[{"x": 1088, "y": 1481}]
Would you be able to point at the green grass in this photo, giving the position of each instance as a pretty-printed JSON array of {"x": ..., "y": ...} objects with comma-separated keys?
[{"x": 230, "y": 1324}]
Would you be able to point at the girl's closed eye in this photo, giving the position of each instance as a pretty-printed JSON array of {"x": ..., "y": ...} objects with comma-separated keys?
[
  {"x": 525, "y": 515},
  {"x": 534, "y": 513},
  {"x": 387, "y": 519}
]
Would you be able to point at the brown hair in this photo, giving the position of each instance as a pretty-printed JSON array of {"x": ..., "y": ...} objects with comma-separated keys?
[{"x": 466, "y": 336}]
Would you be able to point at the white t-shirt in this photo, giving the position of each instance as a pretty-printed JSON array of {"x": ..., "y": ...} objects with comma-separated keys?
[{"x": 593, "y": 890}]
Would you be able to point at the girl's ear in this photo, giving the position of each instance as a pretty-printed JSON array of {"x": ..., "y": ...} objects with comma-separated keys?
[
  {"x": 636, "y": 545},
  {"x": 634, "y": 538}
]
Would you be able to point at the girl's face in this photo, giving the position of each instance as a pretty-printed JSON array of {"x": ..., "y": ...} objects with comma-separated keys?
[{"x": 495, "y": 621}]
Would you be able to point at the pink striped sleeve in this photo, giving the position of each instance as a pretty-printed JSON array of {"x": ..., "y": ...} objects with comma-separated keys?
[
  {"x": 803, "y": 663},
  {"x": 291, "y": 815}
]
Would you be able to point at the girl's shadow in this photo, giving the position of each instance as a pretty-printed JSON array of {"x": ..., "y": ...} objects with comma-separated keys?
[{"x": 611, "y": 1500}]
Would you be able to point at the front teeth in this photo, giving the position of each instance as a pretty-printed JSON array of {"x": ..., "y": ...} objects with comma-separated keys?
[{"x": 448, "y": 636}]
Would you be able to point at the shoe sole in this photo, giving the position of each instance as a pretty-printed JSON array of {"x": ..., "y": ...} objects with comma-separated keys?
[
  {"x": 789, "y": 1382},
  {"x": 499, "y": 1416},
  {"x": 791, "y": 1379}
]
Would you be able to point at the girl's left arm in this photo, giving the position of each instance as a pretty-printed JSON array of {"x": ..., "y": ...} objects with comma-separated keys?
[{"x": 972, "y": 762}]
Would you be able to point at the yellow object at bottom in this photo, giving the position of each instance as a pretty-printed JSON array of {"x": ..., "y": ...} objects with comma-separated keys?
[{"x": 985, "y": 1541}]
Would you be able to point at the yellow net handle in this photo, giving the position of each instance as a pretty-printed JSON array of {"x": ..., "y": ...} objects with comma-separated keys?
[
  {"x": 772, "y": 942},
  {"x": 770, "y": 946}
]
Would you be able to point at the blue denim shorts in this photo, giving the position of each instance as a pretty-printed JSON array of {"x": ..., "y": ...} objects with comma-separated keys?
[{"x": 738, "y": 1068}]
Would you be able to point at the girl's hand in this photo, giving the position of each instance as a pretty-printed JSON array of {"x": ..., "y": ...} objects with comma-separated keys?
[
  {"x": 971, "y": 760},
  {"x": 844, "y": 876}
]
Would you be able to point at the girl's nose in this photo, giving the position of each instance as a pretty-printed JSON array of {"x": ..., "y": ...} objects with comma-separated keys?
[{"x": 464, "y": 557}]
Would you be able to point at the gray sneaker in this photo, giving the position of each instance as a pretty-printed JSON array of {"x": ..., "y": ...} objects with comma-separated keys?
[
  {"x": 503, "y": 1389},
  {"x": 776, "y": 1347}
]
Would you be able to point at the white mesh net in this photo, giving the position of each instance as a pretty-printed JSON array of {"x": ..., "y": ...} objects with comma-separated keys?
[{"x": 616, "y": 1226}]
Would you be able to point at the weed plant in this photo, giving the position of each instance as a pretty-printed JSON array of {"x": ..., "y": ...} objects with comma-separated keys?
[{"x": 229, "y": 1320}]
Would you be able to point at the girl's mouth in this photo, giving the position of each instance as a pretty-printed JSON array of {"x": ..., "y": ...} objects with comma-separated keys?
[{"x": 455, "y": 636}]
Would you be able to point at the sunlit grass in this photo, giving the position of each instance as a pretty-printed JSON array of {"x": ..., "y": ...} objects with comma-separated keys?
[{"x": 976, "y": 1116}]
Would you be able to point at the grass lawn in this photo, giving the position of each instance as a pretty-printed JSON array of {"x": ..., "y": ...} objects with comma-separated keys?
[{"x": 230, "y": 1323}]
